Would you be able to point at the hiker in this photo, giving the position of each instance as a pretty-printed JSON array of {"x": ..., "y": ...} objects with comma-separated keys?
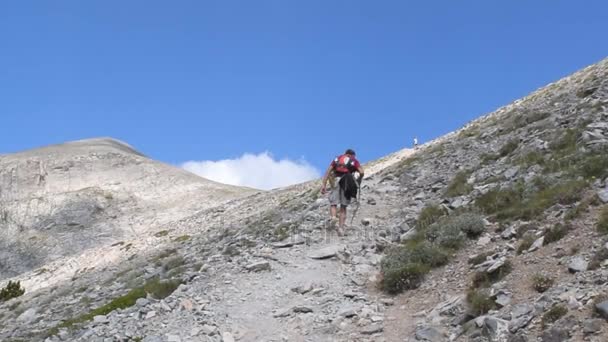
[
  {"x": 415, "y": 142},
  {"x": 343, "y": 184}
]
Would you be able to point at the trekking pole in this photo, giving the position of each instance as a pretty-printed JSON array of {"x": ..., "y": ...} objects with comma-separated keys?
[{"x": 358, "y": 204}]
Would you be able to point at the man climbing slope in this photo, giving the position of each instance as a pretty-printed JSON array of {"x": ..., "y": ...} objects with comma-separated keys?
[{"x": 343, "y": 184}]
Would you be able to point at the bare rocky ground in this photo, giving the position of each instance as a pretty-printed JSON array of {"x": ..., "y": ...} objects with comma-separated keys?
[{"x": 212, "y": 263}]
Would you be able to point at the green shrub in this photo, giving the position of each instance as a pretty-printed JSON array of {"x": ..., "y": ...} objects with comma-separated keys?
[
  {"x": 594, "y": 166},
  {"x": 480, "y": 302},
  {"x": 429, "y": 215},
  {"x": 406, "y": 277},
  {"x": 459, "y": 186},
  {"x": 556, "y": 233},
  {"x": 508, "y": 148},
  {"x": 161, "y": 233},
  {"x": 12, "y": 290},
  {"x": 566, "y": 143},
  {"x": 582, "y": 207},
  {"x": 602, "y": 222},
  {"x": 174, "y": 262},
  {"x": 444, "y": 235},
  {"x": 515, "y": 203},
  {"x": 555, "y": 313},
  {"x": 182, "y": 238},
  {"x": 161, "y": 289},
  {"x": 156, "y": 288},
  {"x": 404, "y": 267},
  {"x": 542, "y": 283}
]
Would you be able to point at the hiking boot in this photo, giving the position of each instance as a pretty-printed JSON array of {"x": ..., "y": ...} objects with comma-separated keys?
[
  {"x": 332, "y": 223},
  {"x": 340, "y": 231}
]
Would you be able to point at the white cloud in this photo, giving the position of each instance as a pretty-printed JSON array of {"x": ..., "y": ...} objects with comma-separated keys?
[{"x": 259, "y": 171}]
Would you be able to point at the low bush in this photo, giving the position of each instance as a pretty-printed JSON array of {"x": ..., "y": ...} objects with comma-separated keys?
[
  {"x": 542, "y": 283},
  {"x": 554, "y": 314},
  {"x": 12, "y": 290}
]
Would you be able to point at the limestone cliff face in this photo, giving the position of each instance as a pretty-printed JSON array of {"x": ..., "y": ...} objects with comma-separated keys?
[{"x": 60, "y": 200}]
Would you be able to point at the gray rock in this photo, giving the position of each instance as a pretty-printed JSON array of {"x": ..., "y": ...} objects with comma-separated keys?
[
  {"x": 326, "y": 252},
  {"x": 371, "y": 201},
  {"x": 603, "y": 195},
  {"x": 28, "y": 316},
  {"x": 141, "y": 302},
  {"x": 578, "y": 264},
  {"x": 592, "y": 326},
  {"x": 429, "y": 334},
  {"x": 173, "y": 338},
  {"x": 508, "y": 233},
  {"x": 372, "y": 329},
  {"x": 511, "y": 172},
  {"x": 537, "y": 244},
  {"x": 602, "y": 308},
  {"x": 503, "y": 298},
  {"x": 555, "y": 334},
  {"x": 258, "y": 266},
  {"x": 282, "y": 313},
  {"x": 100, "y": 319},
  {"x": 521, "y": 310},
  {"x": 303, "y": 289},
  {"x": 348, "y": 312},
  {"x": 151, "y": 314},
  {"x": 407, "y": 235},
  {"x": 496, "y": 328},
  {"x": 227, "y": 337},
  {"x": 290, "y": 242},
  {"x": 496, "y": 265},
  {"x": 302, "y": 309}
]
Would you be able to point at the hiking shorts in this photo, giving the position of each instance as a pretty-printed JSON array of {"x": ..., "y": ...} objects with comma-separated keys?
[{"x": 336, "y": 195}]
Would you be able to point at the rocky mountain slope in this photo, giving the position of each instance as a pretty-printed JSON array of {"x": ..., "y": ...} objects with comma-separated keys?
[
  {"x": 60, "y": 201},
  {"x": 495, "y": 232}
]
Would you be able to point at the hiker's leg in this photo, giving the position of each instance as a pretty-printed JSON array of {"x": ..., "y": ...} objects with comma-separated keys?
[
  {"x": 333, "y": 211},
  {"x": 342, "y": 215}
]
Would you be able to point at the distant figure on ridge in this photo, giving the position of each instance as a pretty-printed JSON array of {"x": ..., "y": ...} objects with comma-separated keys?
[
  {"x": 343, "y": 184},
  {"x": 415, "y": 142}
]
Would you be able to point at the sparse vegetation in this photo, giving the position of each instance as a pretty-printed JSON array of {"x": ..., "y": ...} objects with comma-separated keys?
[
  {"x": 508, "y": 148},
  {"x": 542, "y": 283},
  {"x": 556, "y": 233},
  {"x": 515, "y": 203},
  {"x": 459, "y": 186},
  {"x": 582, "y": 207},
  {"x": 525, "y": 244},
  {"x": 182, "y": 238},
  {"x": 173, "y": 262},
  {"x": 554, "y": 314},
  {"x": 161, "y": 233},
  {"x": 480, "y": 301},
  {"x": 404, "y": 267},
  {"x": 429, "y": 215},
  {"x": 12, "y": 290},
  {"x": 155, "y": 287},
  {"x": 602, "y": 222},
  {"x": 532, "y": 158}
]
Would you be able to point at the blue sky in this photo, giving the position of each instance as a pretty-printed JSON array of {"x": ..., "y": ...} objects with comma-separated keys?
[{"x": 212, "y": 80}]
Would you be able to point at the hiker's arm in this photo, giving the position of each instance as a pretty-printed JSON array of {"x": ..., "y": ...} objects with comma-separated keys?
[
  {"x": 325, "y": 177},
  {"x": 361, "y": 173}
]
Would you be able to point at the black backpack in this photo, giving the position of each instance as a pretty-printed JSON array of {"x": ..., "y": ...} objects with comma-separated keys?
[{"x": 349, "y": 185}]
